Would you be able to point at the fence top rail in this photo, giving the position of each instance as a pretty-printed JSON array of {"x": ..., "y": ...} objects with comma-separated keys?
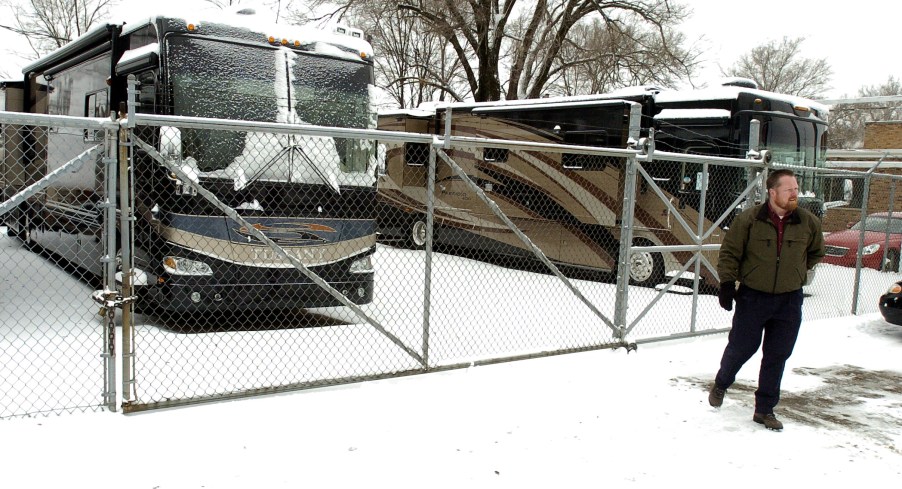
[
  {"x": 863, "y": 153},
  {"x": 384, "y": 136},
  {"x": 57, "y": 120},
  {"x": 273, "y": 127},
  {"x": 664, "y": 156}
]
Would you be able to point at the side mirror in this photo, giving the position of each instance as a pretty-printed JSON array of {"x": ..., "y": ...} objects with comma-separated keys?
[{"x": 171, "y": 142}]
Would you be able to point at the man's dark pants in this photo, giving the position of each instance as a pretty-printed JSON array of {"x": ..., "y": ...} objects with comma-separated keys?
[{"x": 778, "y": 317}]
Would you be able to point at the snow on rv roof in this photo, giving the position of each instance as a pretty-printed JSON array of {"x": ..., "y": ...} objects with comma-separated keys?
[
  {"x": 94, "y": 34},
  {"x": 551, "y": 105},
  {"x": 326, "y": 42},
  {"x": 731, "y": 93},
  {"x": 429, "y": 108},
  {"x": 693, "y": 114}
]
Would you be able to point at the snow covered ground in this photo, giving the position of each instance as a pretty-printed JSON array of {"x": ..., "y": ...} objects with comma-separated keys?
[{"x": 602, "y": 418}]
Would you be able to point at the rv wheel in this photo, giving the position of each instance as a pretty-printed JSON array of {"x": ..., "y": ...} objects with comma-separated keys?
[
  {"x": 646, "y": 268},
  {"x": 418, "y": 234}
]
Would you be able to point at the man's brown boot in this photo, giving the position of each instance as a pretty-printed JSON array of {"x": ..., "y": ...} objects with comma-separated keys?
[
  {"x": 715, "y": 396},
  {"x": 768, "y": 420}
]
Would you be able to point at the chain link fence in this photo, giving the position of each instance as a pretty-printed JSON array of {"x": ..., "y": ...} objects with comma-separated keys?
[
  {"x": 54, "y": 351},
  {"x": 251, "y": 258}
]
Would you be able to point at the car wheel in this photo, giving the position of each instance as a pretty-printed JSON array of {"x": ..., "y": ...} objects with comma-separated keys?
[
  {"x": 891, "y": 264},
  {"x": 646, "y": 268}
]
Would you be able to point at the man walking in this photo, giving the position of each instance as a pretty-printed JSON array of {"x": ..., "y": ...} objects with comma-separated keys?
[{"x": 768, "y": 250}]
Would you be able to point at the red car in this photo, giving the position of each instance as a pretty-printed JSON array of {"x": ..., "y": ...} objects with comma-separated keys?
[{"x": 876, "y": 253}]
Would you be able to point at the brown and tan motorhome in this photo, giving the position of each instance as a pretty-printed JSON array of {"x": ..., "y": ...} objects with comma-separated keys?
[{"x": 570, "y": 205}]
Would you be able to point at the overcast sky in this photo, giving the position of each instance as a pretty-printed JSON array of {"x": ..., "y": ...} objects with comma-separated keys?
[{"x": 856, "y": 39}]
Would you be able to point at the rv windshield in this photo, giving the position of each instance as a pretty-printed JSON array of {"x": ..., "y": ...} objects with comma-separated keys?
[
  {"x": 794, "y": 142},
  {"x": 259, "y": 83},
  {"x": 797, "y": 142}
]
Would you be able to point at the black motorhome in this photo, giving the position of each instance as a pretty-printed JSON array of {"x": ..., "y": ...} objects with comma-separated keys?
[{"x": 314, "y": 196}]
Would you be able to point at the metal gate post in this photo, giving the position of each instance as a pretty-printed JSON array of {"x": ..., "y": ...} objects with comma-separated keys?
[
  {"x": 127, "y": 246},
  {"x": 427, "y": 279},
  {"x": 109, "y": 266},
  {"x": 621, "y": 303},
  {"x": 892, "y": 201}
]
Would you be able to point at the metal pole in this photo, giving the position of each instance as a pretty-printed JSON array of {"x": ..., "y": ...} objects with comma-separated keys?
[
  {"x": 621, "y": 303},
  {"x": 109, "y": 264},
  {"x": 427, "y": 279},
  {"x": 889, "y": 222},
  {"x": 701, "y": 232},
  {"x": 126, "y": 245},
  {"x": 865, "y": 197},
  {"x": 863, "y": 221}
]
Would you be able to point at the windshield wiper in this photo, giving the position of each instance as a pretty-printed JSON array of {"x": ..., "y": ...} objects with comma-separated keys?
[{"x": 291, "y": 152}]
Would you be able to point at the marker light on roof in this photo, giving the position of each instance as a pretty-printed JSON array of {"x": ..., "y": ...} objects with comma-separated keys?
[
  {"x": 191, "y": 27},
  {"x": 272, "y": 40},
  {"x": 363, "y": 55},
  {"x": 802, "y": 108},
  {"x": 284, "y": 42},
  {"x": 297, "y": 43}
]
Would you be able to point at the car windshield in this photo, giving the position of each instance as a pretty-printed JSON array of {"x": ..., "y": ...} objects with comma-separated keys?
[{"x": 880, "y": 224}]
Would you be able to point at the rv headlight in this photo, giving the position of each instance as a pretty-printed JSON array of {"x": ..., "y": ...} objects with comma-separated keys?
[
  {"x": 870, "y": 249},
  {"x": 362, "y": 265},
  {"x": 182, "y": 266}
]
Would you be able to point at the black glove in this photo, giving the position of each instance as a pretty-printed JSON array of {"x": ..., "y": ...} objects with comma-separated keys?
[{"x": 726, "y": 295}]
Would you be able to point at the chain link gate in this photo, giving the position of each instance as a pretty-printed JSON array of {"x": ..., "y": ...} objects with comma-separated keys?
[
  {"x": 428, "y": 309},
  {"x": 257, "y": 276},
  {"x": 689, "y": 239},
  {"x": 56, "y": 352}
]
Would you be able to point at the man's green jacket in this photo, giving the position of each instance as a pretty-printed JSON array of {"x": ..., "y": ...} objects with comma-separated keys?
[{"x": 749, "y": 250}]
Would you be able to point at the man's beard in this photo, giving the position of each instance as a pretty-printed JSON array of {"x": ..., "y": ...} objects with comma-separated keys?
[{"x": 791, "y": 205}]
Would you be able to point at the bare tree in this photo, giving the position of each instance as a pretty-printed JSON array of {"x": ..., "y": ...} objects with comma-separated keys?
[
  {"x": 606, "y": 59},
  {"x": 506, "y": 49},
  {"x": 848, "y": 120},
  {"x": 50, "y": 24},
  {"x": 414, "y": 65},
  {"x": 779, "y": 67}
]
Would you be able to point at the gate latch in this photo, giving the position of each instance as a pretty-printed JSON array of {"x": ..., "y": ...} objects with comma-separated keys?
[{"x": 110, "y": 299}]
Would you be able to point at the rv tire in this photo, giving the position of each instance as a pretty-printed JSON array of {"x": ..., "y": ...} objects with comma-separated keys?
[
  {"x": 646, "y": 268},
  {"x": 417, "y": 235}
]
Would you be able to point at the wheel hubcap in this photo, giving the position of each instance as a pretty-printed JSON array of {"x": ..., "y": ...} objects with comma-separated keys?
[
  {"x": 419, "y": 233},
  {"x": 641, "y": 266}
]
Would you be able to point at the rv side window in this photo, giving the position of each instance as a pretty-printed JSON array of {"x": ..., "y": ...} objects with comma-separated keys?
[
  {"x": 416, "y": 154},
  {"x": 582, "y": 162},
  {"x": 496, "y": 155},
  {"x": 96, "y": 105}
]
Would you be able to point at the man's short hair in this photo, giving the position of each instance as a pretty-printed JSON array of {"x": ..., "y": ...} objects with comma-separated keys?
[{"x": 774, "y": 177}]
